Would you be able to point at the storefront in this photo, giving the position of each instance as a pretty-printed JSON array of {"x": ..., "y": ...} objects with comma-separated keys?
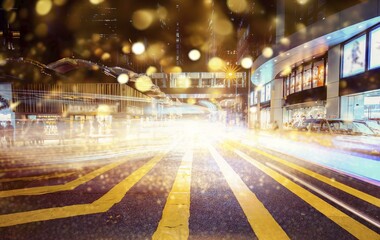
[
  {"x": 359, "y": 86},
  {"x": 6, "y": 114},
  {"x": 304, "y": 91},
  {"x": 298, "y": 112}
]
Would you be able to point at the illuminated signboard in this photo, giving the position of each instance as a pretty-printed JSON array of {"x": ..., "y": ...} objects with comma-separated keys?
[
  {"x": 374, "y": 59},
  {"x": 354, "y": 54}
]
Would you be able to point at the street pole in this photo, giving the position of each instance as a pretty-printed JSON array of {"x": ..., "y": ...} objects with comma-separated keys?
[{"x": 249, "y": 99}]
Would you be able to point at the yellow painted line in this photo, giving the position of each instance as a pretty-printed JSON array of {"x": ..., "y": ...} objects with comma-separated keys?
[
  {"x": 63, "y": 187},
  {"x": 36, "y": 178},
  {"x": 352, "y": 226},
  {"x": 101, "y": 205},
  {"x": 352, "y": 191},
  {"x": 174, "y": 223},
  {"x": 260, "y": 219},
  {"x": 69, "y": 164}
]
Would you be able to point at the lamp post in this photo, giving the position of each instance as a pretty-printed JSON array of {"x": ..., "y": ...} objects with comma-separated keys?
[
  {"x": 231, "y": 75},
  {"x": 247, "y": 63}
]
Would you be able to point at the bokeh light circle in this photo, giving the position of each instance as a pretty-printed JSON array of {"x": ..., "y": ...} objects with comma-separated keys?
[
  {"x": 267, "y": 52},
  {"x": 247, "y": 62},
  {"x": 138, "y": 48},
  {"x": 123, "y": 78},
  {"x": 43, "y": 7},
  {"x": 194, "y": 55}
]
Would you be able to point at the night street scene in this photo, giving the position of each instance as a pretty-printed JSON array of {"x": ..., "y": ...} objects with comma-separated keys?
[{"x": 189, "y": 119}]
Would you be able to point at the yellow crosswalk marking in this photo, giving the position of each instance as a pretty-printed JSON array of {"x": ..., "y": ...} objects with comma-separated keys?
[
  {"x": 174, "y": 223},
  {"x": 36, "y": 178},
  {"x": 66, "y": 165},
  {"x": 63, "y": 187},
  {"x": 261, "y": 221},
  {"x": 352, "y": 191},
  {"x": 103, "y": 204},
  {"x": 354, "y": 227}
]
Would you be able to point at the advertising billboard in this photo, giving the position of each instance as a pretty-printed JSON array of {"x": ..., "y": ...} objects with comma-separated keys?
[
  {"x": 374, "y": 39},
  {"x": 354, "y": 55}
]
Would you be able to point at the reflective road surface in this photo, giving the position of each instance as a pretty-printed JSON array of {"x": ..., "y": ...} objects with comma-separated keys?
[{"x": 187, "y": 180}]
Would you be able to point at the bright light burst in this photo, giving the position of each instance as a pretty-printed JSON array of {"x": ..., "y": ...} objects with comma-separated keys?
[
  {"x": 194, "y": 55},
  {"x": 246, "y": 62},
  {"x": 138, "y": 48},
  {"x": 123, "y": 78}
]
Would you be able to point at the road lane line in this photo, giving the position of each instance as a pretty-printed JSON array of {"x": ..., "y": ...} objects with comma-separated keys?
[
  {"x": 352, "y": 191},
  {"x": 326, "y": 195},
  {"x": 34, "y": 178},
  {"x": 69, "y": 164},
  {"x": 103, "y": 204},
  {"x": 352, "y": 226},
  {"x": 174, "y": 223},
  {"x": 63, "y": 187},
  {"x": 260, "y": 219}
]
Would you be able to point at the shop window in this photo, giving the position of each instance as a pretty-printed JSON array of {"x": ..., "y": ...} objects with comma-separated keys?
[
  {"x": 306, "y": 84},
  {"x": 299, "y": 81},
  {"x": 262, "y": 95},
  {"x": 292, "y": 83},
  {"x": 318, "y": 74},
  {"x": 267, "y": 92}
]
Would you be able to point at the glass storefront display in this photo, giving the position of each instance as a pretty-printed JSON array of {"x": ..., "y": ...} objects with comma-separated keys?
[
  {"x": 361, "y": 106},
  {"x": 293, "y": 114}
]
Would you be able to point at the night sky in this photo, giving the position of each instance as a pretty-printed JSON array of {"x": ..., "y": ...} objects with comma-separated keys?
[{"x": 67, "y": 30}]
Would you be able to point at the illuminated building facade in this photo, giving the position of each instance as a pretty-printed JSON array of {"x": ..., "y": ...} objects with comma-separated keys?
[{"x": 326, "y": 69}]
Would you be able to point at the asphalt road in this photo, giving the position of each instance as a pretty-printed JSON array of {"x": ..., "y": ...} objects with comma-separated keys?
[{"x": 187, "y": 182}]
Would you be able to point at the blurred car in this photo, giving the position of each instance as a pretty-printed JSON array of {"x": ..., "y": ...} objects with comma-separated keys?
[
  {"x": 343, "y": 134},
  {"x": 374, "y": 125}
]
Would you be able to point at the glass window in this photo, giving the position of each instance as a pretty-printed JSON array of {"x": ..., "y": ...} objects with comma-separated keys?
[
  {"x": 292, "y": 83},
  {"x": 354, "y": 54},
  {"x": 374, "y": 60},
  {"x": 267, "y": 92},
  {"x": 299, "y": 81},
  {"x": 288, "y": 86},
  {"x": 318, "y": 74},
  {"x": 307, "y": 78},
  {"x": 262, "y": 95}
]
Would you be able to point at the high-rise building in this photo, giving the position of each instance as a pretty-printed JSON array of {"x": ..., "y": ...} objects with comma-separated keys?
[{"x": 9, "y": 33}]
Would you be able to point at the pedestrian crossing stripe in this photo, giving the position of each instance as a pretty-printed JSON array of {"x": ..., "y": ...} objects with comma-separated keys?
[
  {"x": 352, "y": 191},
  {"x": 103, "y": 204},
  {"x": 260, "y": 219},
  {"x": 352, "y": 226},
  {"x": 174, "y": 223}
]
